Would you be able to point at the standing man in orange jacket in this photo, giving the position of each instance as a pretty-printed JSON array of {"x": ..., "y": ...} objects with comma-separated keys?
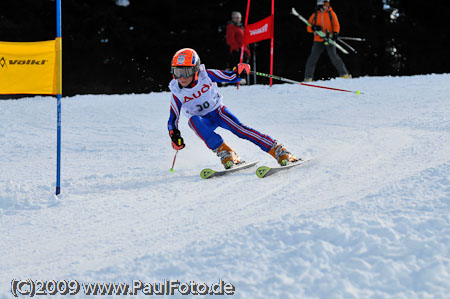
[{"x": 324, "y": 19}]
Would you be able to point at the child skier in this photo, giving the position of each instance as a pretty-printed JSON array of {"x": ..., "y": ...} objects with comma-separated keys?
[{"x": 195, "y": 92}]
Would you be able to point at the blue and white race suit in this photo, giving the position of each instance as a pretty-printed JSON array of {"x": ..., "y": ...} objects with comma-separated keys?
[{"x": 202, "y": 105}]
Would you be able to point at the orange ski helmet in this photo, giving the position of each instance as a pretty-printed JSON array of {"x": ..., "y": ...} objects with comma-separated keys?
[{"x": 185, "y": 63}]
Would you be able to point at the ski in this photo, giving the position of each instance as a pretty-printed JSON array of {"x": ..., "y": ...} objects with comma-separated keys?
[
  {"x": 265, "y": 171},
  {"x": 357, "y": 39},
  {"x": 347, "y": 45},
  {"x": 319, "y": 33},
  {"x": 208, "y": 173}
]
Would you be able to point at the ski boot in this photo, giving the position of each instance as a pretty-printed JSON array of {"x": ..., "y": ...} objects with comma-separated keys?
[
  {"x": 227, "y": 156},
  {"x": 282, "y": 156}
]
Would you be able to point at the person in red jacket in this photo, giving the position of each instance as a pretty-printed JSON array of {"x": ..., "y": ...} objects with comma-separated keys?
[
  {"x": 235, "y": 38},
  {"x": 324, "y": 19}
]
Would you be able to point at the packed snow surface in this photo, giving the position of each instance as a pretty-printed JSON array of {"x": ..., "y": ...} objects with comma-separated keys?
[{"x": 368, "y": 218}]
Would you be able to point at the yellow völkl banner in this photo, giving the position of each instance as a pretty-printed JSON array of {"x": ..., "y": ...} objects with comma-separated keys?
[{"x": 30, "y": 68}]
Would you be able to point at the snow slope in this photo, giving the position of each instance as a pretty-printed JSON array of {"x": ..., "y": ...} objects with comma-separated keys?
[{"x": 369, "y": 218}]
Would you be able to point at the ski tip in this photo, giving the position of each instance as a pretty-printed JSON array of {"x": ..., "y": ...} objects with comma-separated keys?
[
  {"x": 262, "y": 171},
  {"x": 206, "y": 173}
]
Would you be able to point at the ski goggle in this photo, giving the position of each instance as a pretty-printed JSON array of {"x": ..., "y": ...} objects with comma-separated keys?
[{"x": 185, "y": 72}]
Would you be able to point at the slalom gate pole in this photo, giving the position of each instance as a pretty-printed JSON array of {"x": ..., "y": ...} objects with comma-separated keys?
[
  {"x": 173, "y": 163},
  {"x": 301, "y": 83},
  {"x": 58, "y": 97}
]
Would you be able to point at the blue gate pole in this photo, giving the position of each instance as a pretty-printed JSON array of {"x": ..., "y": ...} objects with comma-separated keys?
[{"x": 58, "y": 99}]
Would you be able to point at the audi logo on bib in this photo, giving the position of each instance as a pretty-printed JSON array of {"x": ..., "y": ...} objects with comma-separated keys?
[{"x": 199, "y": 93}]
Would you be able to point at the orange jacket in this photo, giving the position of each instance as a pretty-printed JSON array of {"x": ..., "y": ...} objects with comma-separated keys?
[{"x": 323, "y": 20}]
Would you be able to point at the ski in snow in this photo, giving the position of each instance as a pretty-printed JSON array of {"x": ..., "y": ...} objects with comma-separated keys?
[
  {"x": 209, "y": 173},
  {"x": 319, "y": 33},
  {"x": 265, "y": 171}
]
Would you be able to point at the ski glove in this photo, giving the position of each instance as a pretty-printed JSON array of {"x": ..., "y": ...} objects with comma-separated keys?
[
  {"x": 316, "y": 28},
  {"x": 242, "y": 69},
  {"x": 335, "y": 36},
  {"x": 177, "y": 140}
]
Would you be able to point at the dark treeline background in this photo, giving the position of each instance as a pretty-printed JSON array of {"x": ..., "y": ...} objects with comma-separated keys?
[{"x": 109, "y": 48}]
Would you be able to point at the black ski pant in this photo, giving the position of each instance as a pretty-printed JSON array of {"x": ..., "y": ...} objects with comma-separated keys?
[{"x": 314, "y": 56}]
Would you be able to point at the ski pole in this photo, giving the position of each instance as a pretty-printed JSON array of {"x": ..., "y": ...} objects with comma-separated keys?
[
  {"x": 357, "y": 39},
  {"x": 301, "y": 83},
  {"x": 347, "y": 45},
  {"x": 173, "y": 163}
]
